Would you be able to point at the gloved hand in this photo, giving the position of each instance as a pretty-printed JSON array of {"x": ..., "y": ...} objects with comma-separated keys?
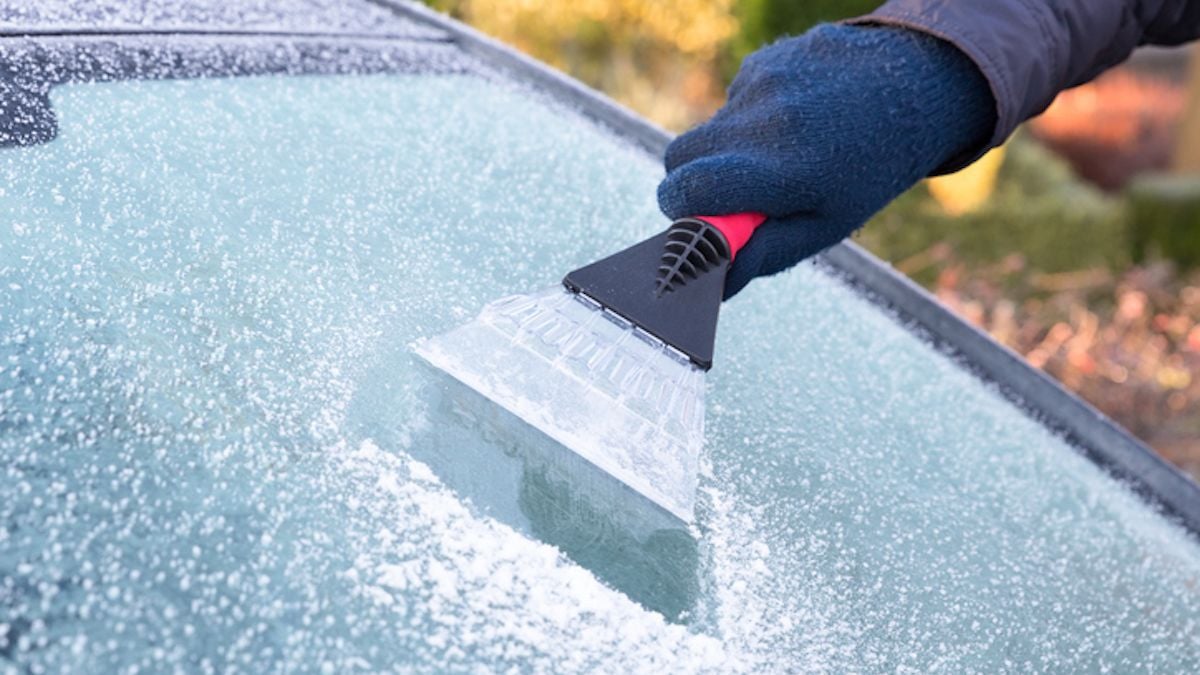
[{"x": 821, "y": 131}]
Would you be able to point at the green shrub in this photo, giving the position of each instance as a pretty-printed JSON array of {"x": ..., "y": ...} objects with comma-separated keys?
[
  {"x": 1039, "y": 210},
  {"x": 765, "y": 20},
  {"x": 1164, "y": 218}
]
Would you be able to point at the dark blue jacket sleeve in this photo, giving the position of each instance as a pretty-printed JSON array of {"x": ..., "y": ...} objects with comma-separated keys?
[{"x": 1029, "y": 50}]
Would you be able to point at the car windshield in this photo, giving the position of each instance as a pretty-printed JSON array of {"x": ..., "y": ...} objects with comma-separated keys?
[{"x": 219, "y": 451}]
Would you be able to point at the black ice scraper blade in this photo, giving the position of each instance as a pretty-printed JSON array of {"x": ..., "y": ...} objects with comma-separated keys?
[{"x": 679, "y": 301}]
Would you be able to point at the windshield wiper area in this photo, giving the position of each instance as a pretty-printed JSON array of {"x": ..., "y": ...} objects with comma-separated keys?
[
  {"x": 30, "y": 68},
  {"x": 26, "y": 117}
]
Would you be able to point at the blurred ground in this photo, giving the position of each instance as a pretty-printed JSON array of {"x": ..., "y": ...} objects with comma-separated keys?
[
  {"x": 1077, "y": 259},
  {"x": 1076, "y": 249}
]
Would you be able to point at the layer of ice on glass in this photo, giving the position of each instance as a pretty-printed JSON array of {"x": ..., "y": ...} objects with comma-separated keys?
[{"x": 210, "y": 420}]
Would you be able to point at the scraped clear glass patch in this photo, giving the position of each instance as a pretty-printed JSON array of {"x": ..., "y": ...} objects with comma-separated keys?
[
  {"x": 590, "y": 382},
  {"x": 219, "y": 451}
]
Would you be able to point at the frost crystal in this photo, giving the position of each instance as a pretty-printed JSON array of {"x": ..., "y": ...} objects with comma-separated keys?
[{"x": 217, "y": 453}]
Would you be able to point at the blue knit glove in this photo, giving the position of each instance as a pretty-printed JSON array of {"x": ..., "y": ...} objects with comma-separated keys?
[{"x": 821, "y": 131}]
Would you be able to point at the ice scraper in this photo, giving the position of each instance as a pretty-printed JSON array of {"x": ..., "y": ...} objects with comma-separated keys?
[{"x": 611, "y": 365}]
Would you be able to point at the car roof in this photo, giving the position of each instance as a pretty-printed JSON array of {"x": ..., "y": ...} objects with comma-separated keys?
[
  {"x": 1099, "y": 438},
  {"x": 210, "y": 16}
]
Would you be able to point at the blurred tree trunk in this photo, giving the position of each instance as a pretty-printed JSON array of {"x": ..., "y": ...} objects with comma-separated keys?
[{"x": 1187, "y": 150}]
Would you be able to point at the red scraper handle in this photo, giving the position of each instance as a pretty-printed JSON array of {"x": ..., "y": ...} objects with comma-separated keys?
[{"x": 736, "y": 227}]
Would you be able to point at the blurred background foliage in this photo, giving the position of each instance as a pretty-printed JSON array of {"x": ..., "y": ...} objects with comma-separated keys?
[
  {"x": 1077, "y": 244},
  {"x": 660, "y": 57},
  {"x": 762, "y": 21}
]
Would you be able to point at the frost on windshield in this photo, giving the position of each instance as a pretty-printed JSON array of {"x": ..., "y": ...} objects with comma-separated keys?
[
  {"x": 357, "y": 16},
  {"x": 218, "y": 451}
]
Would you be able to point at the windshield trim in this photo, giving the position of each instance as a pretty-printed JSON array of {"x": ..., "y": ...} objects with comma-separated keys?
[{"x": 80, "y": 31}]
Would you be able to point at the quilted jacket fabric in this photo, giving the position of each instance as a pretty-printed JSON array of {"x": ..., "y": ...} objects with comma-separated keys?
[{"x": 1029, "y": 50}]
